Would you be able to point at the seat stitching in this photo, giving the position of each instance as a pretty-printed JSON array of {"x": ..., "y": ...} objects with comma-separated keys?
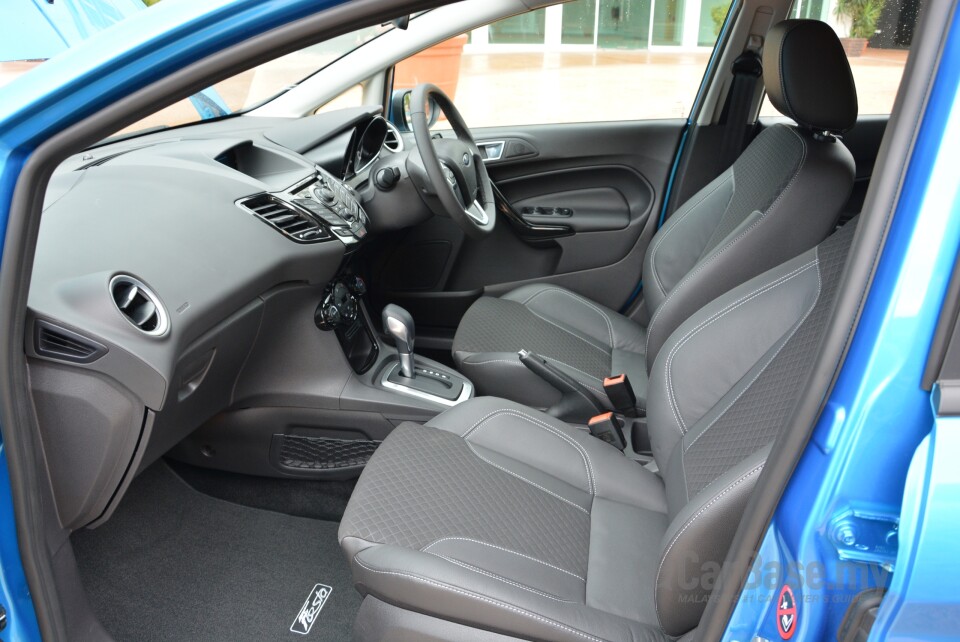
[
  {"x": 676, "y": 223},
  {"x": 703, "y": 264},
  {"x": 500, "y": 548},
  {"x": 520, "y": 415},
  {"x": 577, "y": 298},
  {"x": 663, "y": 558},
  {"x": 532, "y": 483},
  {"x": 517, "y": 362},
  {"x": 502, "y": 579},
  {"x": 668, "y": 370},
  {"x": 482, "y": 598},
  {"x": 783, "y": 344}
]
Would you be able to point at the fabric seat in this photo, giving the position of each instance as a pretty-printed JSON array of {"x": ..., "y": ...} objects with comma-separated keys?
[
  {"x": 496, "y": 520},
  {"x": 780, "y": 198}
]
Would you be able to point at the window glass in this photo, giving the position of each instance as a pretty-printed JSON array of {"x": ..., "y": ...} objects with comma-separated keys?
[
  {"x": 526, "y": 28},
  {"x": 668, "y": 22},
  {"x": 876, "y": 34},
  {"x": 712, "y": 15},
  {"x": 624, "y": 24},
  {"x": 583, "y": 61},
  {"x": 254, "y": 86},
  {"x": 579, "y": 22},
  {"x": 352, "y": 97}
]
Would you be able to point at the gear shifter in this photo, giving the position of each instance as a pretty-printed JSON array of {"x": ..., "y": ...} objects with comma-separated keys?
[{"x": 399, "y": 324}]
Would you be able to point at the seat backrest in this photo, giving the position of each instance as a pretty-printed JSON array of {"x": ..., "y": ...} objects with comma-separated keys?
[
  {"x": 781, "y": 197},
  {"x": 722, "y": 388}
]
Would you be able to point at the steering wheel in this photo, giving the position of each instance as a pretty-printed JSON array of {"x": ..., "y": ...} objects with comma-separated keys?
[{"x": 454, "y": 166}]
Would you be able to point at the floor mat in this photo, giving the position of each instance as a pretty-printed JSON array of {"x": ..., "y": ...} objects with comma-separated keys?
[{"x": 174, "y": 564}]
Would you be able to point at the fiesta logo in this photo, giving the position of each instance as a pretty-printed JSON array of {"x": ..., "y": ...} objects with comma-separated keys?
[{"x": 311, "y": 609}]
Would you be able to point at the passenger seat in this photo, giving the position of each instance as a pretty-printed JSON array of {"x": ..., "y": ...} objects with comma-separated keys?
[
  {"x": 495, "y": 521},
  {"x": 780, "y": 198}
]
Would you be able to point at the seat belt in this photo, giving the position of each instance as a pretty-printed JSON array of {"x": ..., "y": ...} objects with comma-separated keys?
[{"x": 747, "y": 71}]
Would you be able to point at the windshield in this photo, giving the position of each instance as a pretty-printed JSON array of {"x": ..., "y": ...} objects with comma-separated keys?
[
  {"x": 46, "y": 29},
  {"x": 258, "y": 85}
]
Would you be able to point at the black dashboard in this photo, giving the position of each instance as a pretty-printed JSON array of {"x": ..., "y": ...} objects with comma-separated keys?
[
  {"x": 155, "y": 253},
  {"x": 206, "y": 218}
]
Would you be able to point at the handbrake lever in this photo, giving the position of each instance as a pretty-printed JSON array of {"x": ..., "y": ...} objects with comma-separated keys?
[{"x": 577, "y": 403}]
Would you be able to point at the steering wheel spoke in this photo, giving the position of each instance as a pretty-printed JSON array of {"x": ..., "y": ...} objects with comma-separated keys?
[{"x": 477, "y": 213}]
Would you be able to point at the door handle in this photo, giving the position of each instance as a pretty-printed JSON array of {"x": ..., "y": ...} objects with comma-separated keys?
[{"x": 491, "y": 150}]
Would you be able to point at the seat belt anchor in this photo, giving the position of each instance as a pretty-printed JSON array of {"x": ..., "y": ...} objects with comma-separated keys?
[{"x": 607, "y": 427}]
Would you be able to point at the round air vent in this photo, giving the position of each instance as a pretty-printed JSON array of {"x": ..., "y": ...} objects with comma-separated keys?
[
  {"x": 393, "y": 141},
  {"x": 139, "y": 305}
]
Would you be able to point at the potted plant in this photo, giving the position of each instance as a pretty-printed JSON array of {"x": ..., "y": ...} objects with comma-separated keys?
[
  {"x": 439, "y": 64},
  {"x": 861, "y": 18}
]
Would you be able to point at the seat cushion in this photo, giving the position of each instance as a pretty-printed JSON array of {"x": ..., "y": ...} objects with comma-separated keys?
[
  {"x": 503, "y": 518},
  {"x": 584, "y": 339}
]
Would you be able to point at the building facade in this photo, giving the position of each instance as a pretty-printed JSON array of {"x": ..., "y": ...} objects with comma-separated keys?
[{"x": 659, "y": 24}]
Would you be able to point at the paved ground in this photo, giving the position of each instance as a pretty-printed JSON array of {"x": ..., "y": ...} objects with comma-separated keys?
[{"x": 526, "y": 88}]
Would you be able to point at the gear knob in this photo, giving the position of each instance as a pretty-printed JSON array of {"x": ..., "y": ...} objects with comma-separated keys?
[{"x": 398, "y": 323}]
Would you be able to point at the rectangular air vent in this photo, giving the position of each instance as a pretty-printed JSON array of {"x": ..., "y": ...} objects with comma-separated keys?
[
  {"x": 285, "y": 217},
  {"x": 58, "y": 343}
]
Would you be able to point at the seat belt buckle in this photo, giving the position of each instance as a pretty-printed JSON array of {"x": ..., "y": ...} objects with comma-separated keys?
[
  {"x": 607, "y": 427},
  {"x": 620, "y": 394}
]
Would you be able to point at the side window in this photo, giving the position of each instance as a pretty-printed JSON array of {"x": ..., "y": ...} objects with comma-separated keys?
[
  {"x": 583, "y": 61},
  {"x": 352, "y": 97},
  {"x": 876, "y": 34}
]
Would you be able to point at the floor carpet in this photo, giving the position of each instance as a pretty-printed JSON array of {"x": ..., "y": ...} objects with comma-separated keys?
[{"x": 175, "y": 564}]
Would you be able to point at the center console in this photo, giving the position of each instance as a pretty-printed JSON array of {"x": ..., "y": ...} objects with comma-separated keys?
[
  {"x": 341, "y": 311},
  {"x": 335, "y": 203},
  {"x": 396, "y": 370},
  {"x": 418, "y": 378}
]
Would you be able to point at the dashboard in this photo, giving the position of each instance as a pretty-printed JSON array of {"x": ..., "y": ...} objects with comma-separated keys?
[{"x": 155, "y": 253}]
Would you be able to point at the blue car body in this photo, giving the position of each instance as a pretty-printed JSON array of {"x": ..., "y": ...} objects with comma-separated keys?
[{"x": 878, "y": 427}]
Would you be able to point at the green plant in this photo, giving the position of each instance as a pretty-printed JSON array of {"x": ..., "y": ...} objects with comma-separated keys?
[
  {"x": 862, "y": 14},
  {"x": 719, "y": 14}
]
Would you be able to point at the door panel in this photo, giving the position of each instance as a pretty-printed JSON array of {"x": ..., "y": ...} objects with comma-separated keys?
[
  {"x": 607, "y": 180},
  {"x": 608, "y": 205}
]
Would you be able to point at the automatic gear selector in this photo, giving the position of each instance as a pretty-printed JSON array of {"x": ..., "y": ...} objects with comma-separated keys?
[{"x": 398, "y": 323}]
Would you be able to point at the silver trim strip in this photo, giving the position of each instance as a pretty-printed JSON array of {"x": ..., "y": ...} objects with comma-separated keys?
[
  {"x": 397, "y": 135},
  {"x": 163, "y": 319},
  {"x": 492, "y": 143},
  {"x": 477, "y": 213},
  {"x": 465, "y": 394}
]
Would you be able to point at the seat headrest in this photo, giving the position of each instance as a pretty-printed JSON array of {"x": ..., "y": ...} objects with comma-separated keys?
[{"x": 807, "y": 76}]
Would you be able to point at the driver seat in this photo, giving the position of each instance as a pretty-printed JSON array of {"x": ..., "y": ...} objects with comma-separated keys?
[{"x": 781, "y": 197}]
